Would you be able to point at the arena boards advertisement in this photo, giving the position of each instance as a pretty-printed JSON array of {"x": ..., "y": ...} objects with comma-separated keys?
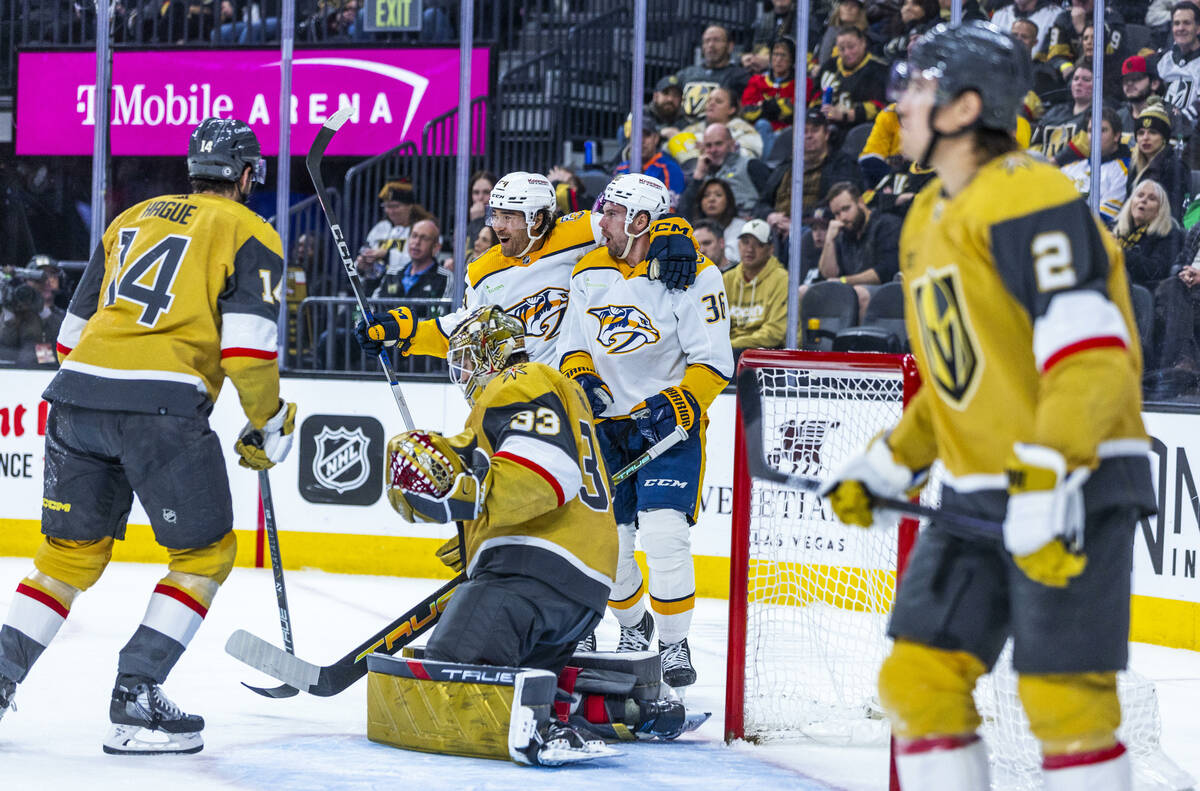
[
  {"x": 332, "y": 514},
  {"x": 159, "y": 97}
]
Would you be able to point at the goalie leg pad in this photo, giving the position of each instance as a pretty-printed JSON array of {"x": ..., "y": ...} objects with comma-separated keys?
[
  {"x": 927, "y": 691},
  {"x": 1107, "y": 769},
  {"x": 667, "y": 540},
  {"x": 1071, "y": 713},
  {"x": 938, "y": 763},
  {"x": 627, "y": 600},
  {"x": 480, "y": 711}
]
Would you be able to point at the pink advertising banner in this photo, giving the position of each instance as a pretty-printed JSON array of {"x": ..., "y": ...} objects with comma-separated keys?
[{"x": 159, "y": 97}]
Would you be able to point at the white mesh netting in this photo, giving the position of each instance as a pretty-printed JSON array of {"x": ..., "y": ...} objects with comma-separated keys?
[{"x": 819, "y": 594}]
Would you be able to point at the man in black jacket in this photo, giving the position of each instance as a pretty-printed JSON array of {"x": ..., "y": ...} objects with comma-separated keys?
[
  {"x": 823, "y": 168},
  {"x": 420, "y": 277}
]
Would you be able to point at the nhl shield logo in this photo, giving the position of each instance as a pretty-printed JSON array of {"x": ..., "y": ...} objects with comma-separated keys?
[{"x": 341, "y": 462}]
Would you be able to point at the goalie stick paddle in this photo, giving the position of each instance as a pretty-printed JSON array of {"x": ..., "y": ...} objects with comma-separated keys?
[
  {"x": 313, "y": 162},
  {"x": 328, "y": 680},
  {"x": 750, "y": 401},
  {"x": 285, "y": 618}
]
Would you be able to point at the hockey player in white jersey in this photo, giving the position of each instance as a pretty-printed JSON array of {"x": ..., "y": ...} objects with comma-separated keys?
[
  {"x": 650, "y": 358},
  {"x": 528, "y": 274}
]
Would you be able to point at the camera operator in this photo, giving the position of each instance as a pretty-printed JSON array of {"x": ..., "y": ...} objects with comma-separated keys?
[{"x": 29, "y": 319}]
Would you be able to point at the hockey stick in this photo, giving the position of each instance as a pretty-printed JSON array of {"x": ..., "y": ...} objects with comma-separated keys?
[
  {"x": 657, "y": 449},
  {"x": 328, "y": 680},
  {"x": 285, "y": 618},
  {"x": 313, "y": 162},
  {"x": 750, "y": 401}
]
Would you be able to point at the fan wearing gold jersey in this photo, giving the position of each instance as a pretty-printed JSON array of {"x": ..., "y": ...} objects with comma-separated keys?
[
  {"x": 183, "y": 291},
  {"x": 1017, "y": 301},
  {"x": 528, "y": 274},
  {"x": 526, "y": 483}
]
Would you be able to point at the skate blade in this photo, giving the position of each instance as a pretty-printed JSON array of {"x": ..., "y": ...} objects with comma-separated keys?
[
  {"x": 551, "y": 755},
  {"x": 136, "y": 740}
]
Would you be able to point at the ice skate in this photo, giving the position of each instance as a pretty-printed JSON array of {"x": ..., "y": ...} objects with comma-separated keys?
[
  {"x": 558, "y": 744},
  {"x": 677, "y": 667},
  {"x": 587, "y": 644},
  {"x": 667, "y": 719},
  {"x": 637, "y": 638},
  {"x": 8, "y": 690},
  {"x": 146, "y": 722}
]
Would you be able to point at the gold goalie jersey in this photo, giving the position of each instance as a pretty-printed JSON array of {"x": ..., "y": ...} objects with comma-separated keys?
[
  {"x": 182, "y": 291},
  {"x": 1017, "y": 303},
  {"x": 548, "y": 506},
  {"x": 533, "y": 288}
]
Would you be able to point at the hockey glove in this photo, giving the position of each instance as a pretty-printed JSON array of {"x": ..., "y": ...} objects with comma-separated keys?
[
  {"x": 599, "y": 397},
  {"x": 673, "y": 260},
  {"x": 436, "y": 479},
  {"x": 658, "y": 415},
  {"x": 450, "y": 553},
  {"x": 263, "y": 448},
  {"x": 396, "y": 326},
  {"x": 873, "y": 473},
  {"x": 1043, "y": 527}
]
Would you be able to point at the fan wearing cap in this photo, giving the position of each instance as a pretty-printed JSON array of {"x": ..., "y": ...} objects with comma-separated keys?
[
  {"x": 665, "y": 108},
  {"x": 655, "y": 161},
  {"x": 1154, "y": 159},
  {"x": 384, "y": 250},
  {"x": 1018, "y": 308},
  {"x": 1139, "y": 82},
  {"x": 757, "y": 292}
]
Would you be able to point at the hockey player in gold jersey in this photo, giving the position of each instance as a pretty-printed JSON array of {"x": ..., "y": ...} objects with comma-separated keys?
[
  {"x": 183, "y": 291},
  {"x": 526, "y": 483},
  {"x": 528, "y": 273},
  {"x": 1018, "y": 306}
]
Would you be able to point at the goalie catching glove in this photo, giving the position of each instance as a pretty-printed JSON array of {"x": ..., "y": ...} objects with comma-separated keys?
[
  {"x": 435, "y": 479},
  {"x": 873, "y": 473},
  {"x": 658, "y": 415},
  {"x": 263, "y": 448},
  {"x": 397, "y": 326},
  {"x": 672, "y": 255},
  {"x": 1043, "y": 527}
]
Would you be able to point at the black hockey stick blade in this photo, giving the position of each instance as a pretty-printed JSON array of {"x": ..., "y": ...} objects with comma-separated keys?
[
  {"x": 750, "y": 402},
  {"x": 328, "y": 680}
]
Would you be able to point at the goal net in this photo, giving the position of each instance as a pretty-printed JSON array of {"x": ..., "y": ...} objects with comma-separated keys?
[{"x": 810, "y": 597}]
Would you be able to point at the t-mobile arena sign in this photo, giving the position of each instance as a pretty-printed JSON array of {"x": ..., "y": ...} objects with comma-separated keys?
[{"x": 159, "y": 97}]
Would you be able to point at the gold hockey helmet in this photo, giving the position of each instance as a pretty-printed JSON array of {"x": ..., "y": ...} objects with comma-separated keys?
[{"x": 481, "y": 347}]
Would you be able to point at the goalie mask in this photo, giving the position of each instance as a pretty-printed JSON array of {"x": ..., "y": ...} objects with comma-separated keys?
[{"x": 481, "y": 347}]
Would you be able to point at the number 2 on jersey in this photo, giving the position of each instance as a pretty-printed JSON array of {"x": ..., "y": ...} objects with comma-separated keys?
[{"x": 161, "y": 262}]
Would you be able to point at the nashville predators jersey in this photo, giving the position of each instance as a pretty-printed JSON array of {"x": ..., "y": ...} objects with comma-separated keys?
[
  {"x": 641, "y": 337},
  {"x": 1018, "y": 306},
  {"x": 548, "y": 510},
  {"x": 533, "y": 288},
  {"x": 182, "y": 291}
]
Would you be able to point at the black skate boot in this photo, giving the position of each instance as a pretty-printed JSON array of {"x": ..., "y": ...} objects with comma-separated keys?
[
  {"x": 557, "y": 743},
  {"x": 638, "y": 637},
  {"x": 666, "y": 719},
  {"x": 677, "y": 667},
  {"x": 587, "y": 644},
  {"x": 146, "y": 722},
  {"x": 8, "y": 690}
]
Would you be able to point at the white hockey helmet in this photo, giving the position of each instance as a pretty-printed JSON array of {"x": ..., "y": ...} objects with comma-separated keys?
[
  {"x": 637, "y": 193},
  {"x": 528, "y": 193}
]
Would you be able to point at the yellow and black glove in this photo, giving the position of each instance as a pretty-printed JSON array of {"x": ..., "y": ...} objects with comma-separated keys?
[
  {"x": 450, "y": 553},
  {"x": 263, "y": 448},
  {"x": 1043, "y": 527},
  {"x": 435, "y": 479},
  {"x": 873, "y": 473},
  {"x": 396, "y": 326}
]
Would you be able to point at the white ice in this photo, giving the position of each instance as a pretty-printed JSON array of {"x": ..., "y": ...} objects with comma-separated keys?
[{"x": 52, "y": 740}]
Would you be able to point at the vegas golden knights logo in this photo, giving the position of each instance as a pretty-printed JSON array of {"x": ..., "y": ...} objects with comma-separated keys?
[{"x": 951, "y": 351}]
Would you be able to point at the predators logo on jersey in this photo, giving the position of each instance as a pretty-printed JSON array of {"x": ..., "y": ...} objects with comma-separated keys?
[
  {"x": 946, "y": 334},
  {"x": 624, "y": 328},
  {"x": 542, "y": 312}
]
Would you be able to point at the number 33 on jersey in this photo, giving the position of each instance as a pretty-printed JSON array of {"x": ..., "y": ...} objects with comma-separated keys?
[{"x": 182, "y": 291}]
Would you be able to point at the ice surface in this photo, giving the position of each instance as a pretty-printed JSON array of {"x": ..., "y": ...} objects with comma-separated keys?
[{"x": 52, "y": 741}]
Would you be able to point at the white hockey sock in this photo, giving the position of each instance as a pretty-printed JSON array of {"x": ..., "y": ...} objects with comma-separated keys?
[
  {"x": 938, "y": 763},
  {"x": 667, "y": 541},
  {"x": 626, "y": 600},
  {"x": 40, "y": 607},
  {"x": 1108, "y": 769}
]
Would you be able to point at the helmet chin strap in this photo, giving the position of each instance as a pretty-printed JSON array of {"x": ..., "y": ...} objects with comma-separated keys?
[
  {"x": 532, "y": 239},
  {"x": 935, "y": 136},
  {"x": 629, "y": 237}
]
